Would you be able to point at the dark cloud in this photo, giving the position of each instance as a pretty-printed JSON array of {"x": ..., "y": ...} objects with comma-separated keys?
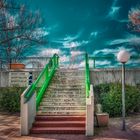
[{"x": 99, "y": 23}]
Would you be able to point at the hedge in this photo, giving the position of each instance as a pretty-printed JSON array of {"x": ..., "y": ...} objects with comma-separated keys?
[
  {"x": 110, "y": 96},
  {"x": 10, "y": 99}
]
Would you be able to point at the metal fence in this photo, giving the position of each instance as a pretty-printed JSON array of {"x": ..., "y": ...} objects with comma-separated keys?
[{"x": 112, "y": 62}]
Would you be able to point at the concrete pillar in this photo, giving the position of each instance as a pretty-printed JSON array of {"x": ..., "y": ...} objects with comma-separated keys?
[
  {"x": 28, "y": 113},
  {"x": 90, "y": 113}
]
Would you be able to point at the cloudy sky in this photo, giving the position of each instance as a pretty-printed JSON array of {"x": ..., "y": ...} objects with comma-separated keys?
[{"x": 98, "y": 27}]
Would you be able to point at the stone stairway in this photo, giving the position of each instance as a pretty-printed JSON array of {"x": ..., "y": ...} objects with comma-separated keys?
[{"x": 62, "y": 109}]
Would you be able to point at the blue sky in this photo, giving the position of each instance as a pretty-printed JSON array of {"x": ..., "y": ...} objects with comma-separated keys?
[{"x": 98, "y": 27}]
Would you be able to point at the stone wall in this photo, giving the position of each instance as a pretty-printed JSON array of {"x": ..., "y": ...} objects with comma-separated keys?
[
  {"x": 98, "y": 76},
  {"x": 4, "y": 76}
]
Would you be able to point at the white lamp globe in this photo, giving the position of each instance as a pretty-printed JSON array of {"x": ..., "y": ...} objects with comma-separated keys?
[{"x": 123, "y": 56}]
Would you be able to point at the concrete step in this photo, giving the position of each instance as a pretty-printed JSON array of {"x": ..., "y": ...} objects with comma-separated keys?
[
  {"x": 50, "y": 104},
  {"x": 68, "y": 77},
  {"x": 68, "y": 91},
  {"x": 69, "y": 73},
  {"x": 65, "y": 95},
  {"x": 62, "y": 112},
  {"x": 58, "y": 130},
  {"x": 65, "y": 92},
  {"x": 61, "y": 108},
  {"x": 67, "y": 80},
  {"x": 57, "y": 84},
  {"x": 51, "y": 87},
  {"x": 76, "y": 100},
  {"x": 71, "y": 70},
  {"x": 59, "y": 118},
  {"x": 59, "y": 123},
  {"x": 62, "y": 104}
]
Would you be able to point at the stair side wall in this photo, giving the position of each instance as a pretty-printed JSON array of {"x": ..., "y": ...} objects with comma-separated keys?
[{"x": 28, "y": 113}]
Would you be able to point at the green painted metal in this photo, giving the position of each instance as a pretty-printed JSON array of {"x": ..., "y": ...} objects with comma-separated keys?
[
  {"x": 94, "y": 58},
  {"x": 87, "y": 75},
  {"x": 110, "y": 57},
  {"x": 41, "y": 84},
  {"x": 103, "y": 57}
]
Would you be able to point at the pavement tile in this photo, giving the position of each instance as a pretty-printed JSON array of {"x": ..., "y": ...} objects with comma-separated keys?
[{"x": 10, "y": 130}]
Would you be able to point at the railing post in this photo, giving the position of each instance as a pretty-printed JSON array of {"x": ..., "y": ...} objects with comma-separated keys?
[
  {"x": 54, "y": 60},
  {"x": 87, "y": 82},
  {"x": 57, "y": 61},
  {"x": 46, "y": 73},
  {"x": 94, "y": 64}
]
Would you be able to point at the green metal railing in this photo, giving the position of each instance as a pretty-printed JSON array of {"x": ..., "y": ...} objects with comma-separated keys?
[
  {"x": 43, "y": 80},
  {"x": 87, "y": 75}
]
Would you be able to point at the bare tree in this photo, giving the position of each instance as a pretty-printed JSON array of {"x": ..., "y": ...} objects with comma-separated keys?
[{"x": 20, "y": 29}]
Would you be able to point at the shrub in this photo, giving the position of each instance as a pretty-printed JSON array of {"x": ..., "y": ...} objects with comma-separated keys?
[
  {"x": 111, "y": 99},
  {"x": 98, "y": 89},
  {"x": 10, "y": 99},
  {"x": 138, "y": 86}
]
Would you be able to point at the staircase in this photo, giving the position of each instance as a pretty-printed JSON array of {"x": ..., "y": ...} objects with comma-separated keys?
[{"x": 62, "y": 109}]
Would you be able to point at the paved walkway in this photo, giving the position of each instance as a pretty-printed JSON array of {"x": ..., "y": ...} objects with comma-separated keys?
[{"x": 10, "y": 130}]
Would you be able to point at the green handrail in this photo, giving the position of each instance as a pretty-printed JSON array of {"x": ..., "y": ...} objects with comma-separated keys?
[
  {"x": 43, "y": 80},
  {"x": 111, "y": 57},
  {"x": 87, "y": 77},
  {"x": 95, "y": 58}
]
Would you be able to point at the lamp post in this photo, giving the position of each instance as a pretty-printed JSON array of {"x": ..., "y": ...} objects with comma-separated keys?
[{"x": 123, "y": 56}]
